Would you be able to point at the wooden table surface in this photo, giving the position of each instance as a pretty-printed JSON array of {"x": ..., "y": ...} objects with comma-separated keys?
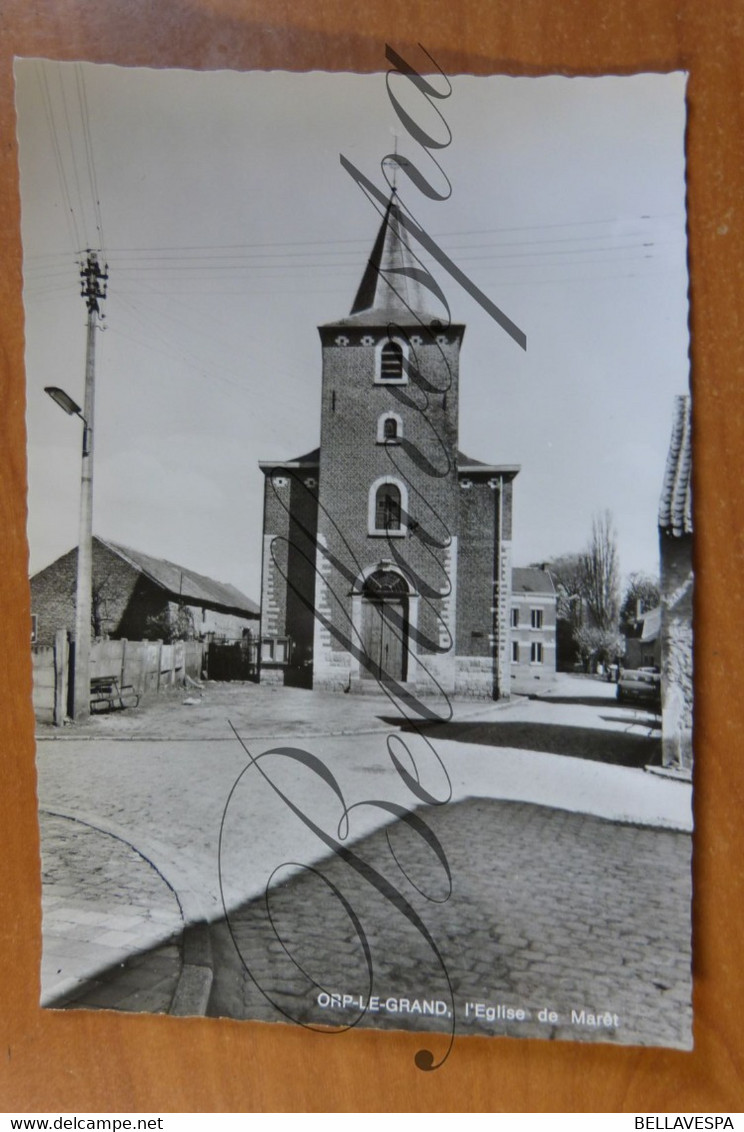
[{"x": 87, "y": 1061}]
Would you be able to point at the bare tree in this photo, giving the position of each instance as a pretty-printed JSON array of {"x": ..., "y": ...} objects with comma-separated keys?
[
  {"x": 568, "y": 578},
  {"x": 588, "y": 598},
  {"x": 107, "y": 602},
  {"x": 600, "y": 569},
  {"x": 171, "y": 625}
]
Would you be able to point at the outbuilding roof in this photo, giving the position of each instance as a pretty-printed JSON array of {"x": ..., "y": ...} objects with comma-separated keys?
[
  {"x": 184, "y": 583},
  {"x": 675, "y": 505},
  {"x": 651, "y": 624}
]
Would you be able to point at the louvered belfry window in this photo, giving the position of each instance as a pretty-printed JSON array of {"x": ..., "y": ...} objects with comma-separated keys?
[
  {"x": 391, "y": 362},
  {"x": 387, "y": 508}
]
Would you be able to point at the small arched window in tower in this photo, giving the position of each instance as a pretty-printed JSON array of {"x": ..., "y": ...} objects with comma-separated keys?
[
  {"x": 387, "y": 508},
  {"x": 391, "y": 362},
  {"x": 389, "y": 428}
]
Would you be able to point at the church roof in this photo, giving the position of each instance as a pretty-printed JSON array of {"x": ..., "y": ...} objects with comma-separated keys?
[
  {"x": 675, "y": 506},
  {"x": 391, "y": 290},
  {"x": 465, "y": 464},
  {"x": 309, "y": 460},
  {"x": 471, "y": 466}
]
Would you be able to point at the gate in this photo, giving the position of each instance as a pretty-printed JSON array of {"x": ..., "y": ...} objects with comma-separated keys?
[{"x": 232, "y": 660}]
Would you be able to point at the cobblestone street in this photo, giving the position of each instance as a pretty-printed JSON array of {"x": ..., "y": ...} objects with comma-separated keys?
[
  {"x": 105, "y": 901},
  {"x": 570, "y": 865},
  {"x": 548, "y": 910}
]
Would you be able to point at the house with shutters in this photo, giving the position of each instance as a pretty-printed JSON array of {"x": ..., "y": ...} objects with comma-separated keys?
[
  {"x": 387, "y": 550},
  {"x": 533, "y": 629}
]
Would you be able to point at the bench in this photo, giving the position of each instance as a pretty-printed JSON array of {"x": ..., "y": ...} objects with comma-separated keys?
[{"x": 107, "y": 690}]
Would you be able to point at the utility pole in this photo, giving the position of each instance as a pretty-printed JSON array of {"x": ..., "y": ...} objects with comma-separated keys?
[{"x": 93, "y": 289}]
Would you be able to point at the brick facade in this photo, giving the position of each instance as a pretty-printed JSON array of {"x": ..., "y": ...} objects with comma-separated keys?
[{"x": 352, "y": 461}]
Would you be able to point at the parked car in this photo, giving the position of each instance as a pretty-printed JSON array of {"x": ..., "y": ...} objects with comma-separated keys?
[{"x": 642, "y": 685}]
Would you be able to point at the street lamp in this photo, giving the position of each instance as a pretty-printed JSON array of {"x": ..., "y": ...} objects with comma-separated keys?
[
  {"x": 84, "y": 590},
  {"x": 65, "y": 401}
]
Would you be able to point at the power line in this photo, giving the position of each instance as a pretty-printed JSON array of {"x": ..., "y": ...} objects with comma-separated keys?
[
  {"x": 88, "y": 141},
  {"x": 233, "y": 254},
  {"x": 71, "y": 146},
  {"x": 48, "y": 111}
]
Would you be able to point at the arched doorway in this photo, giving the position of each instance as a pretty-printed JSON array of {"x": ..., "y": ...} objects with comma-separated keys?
[{"x": 385, "y": 625}]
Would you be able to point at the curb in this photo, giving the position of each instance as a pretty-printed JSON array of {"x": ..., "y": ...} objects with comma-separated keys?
[
  {"x": 194, "y": 985},
  {"x": 191, "y": 996}
]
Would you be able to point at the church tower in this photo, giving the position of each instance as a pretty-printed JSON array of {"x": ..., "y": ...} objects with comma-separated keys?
[
  {"x": 388, "y": 477},
  {"x": 367, "y": 576}
]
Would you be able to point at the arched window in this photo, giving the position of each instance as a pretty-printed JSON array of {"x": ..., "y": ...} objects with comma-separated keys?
[
  {"x": 391, "y": 362},
  {"x": 387, "y": 507},
  {"x": 389, "y": 428},
  {"x": 387, "y": 513},
  {"x": 385, "y": 583}
]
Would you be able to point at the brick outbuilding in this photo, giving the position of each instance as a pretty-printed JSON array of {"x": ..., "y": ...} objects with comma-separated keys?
[{"x": 137, "y": 596}]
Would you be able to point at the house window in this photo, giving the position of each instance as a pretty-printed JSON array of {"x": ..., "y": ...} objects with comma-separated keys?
[
  {"x": 34, "y": 628},
  {"x": 387, "y": 508},
  {"x": 515, "y": 617},
  {"x": 515, "y": 651},
  {"x": 390, "y": 428},
  {"x": 536, "y": 618},
  {"x": 536, "y": 652}
]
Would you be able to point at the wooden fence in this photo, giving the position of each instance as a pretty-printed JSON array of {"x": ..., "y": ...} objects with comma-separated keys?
[{"x": 145, "y": 666}]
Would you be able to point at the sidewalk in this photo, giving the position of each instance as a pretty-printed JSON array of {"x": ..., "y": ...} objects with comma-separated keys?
[{"x": 198, "y": 713}]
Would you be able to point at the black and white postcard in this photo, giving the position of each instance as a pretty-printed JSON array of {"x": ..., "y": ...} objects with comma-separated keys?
[{"x": 360, "y": 535}]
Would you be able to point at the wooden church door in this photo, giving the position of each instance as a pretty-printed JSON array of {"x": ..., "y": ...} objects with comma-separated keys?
[{"x": 385, "y": 625}]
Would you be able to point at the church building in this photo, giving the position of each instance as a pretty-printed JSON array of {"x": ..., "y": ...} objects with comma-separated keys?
[{"x": 387, "y": 551}]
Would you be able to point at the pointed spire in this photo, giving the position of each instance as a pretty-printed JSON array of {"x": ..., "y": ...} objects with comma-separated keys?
[{"x": 390, "y": 288}]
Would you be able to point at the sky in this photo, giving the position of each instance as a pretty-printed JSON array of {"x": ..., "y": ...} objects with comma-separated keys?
[{"x": 232, "y": 231}]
